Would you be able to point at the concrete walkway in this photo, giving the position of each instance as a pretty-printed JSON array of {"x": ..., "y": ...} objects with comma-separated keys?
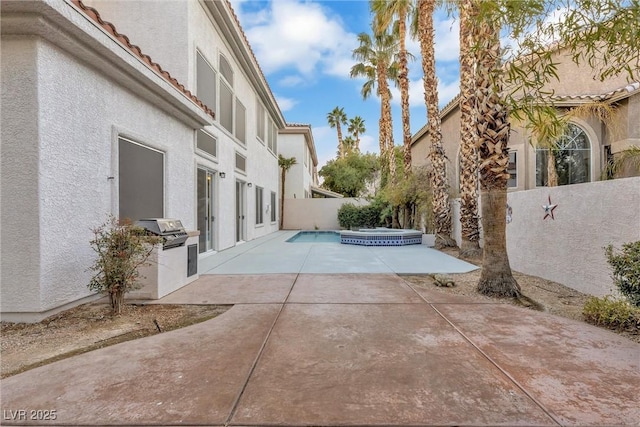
[
  {"x": 272, "y": 254},
  {"x": 344, "y": 350}
]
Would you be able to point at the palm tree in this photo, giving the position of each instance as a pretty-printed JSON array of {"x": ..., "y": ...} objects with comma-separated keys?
[
  {"x": 394, "y": 13},
  {"x": 493, "y": 134},
  {"x": 285, "y": 164},
  {"x": 349, "y": 144},
  {"x": 356, "y": 127},
  {"x": 469, "y": 247},
  {"x": 438, "y": 172},
  {"x": 377, "y": 65},
  {"x": 335, "y": 118}
]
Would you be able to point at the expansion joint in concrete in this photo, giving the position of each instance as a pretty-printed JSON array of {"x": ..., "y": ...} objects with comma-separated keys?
[
  {"x": 234, "y": 408},
  {"x": 486, "y": 356}
]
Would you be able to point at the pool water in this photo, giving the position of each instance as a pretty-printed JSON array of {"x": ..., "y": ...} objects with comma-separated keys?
[{"x": 315, "y": 237}]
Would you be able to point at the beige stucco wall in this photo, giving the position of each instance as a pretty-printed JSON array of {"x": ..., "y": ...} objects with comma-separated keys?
[
  {"x": 569, "y": 248},
  {"x": 311, "y": 214}
]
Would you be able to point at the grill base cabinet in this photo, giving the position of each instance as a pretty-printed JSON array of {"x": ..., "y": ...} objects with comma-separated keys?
[{"x": 168, "y": 271}]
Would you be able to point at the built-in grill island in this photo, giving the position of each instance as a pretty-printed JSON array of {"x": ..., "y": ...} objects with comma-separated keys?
[
  {"x": 172, "y": 264},
  {"x": 171, "y": 231}
]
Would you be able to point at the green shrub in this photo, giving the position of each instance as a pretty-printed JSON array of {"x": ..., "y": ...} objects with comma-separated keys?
[
  {"x": 626, "y": 270},
  {"x": 121, "y": 248},
  {"x": 612, "y": 313},
  {"x": 352, "y": 216}
]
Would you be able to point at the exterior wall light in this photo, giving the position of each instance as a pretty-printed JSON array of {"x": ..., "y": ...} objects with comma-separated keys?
[
  {"x": 249, "y": 185},
  {"x": 222, "y": 174}
]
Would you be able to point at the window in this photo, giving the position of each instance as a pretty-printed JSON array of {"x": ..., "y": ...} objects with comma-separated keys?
[
  {"x": 273, "y": 206},
  {"x": 259, "y": 204},
  {"x": 226, "y": 106},
  {"x": 206, "y": 82},
  {"x": 207, "y": 143},
  {"x": 241, "y": 162},
  {"x": 140, "y": 181},
  {"x": 512, "y": 170},
  {"x": 572, "y": 158},
  {"x": 241, "y": 128},
  {"x": 226, "y": 70},
  {"x": 272, "y": 132},
  {"x": 306, "y": 155},
  {"x": 260, "y": 121}
]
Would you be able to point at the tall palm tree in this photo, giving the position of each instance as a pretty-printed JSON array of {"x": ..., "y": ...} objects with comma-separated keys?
[
  {"x": 356, "y": 127},
  {"x": 438, "y": 171},
  {"x": 470, "y": 245},
  {"x": 393, "y": 14},
  {"x": 336, "y": 117},
  {"x": 377, "y": 65},
  {"x": 493, "y": 134},
  {"x": 285, "y": 164}
]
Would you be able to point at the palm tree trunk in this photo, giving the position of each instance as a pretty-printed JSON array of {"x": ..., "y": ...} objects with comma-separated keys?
[
  {"x": 340, "y": 143},
  {"x": 388, "y": 130},
  {"x": 395, "y": 223},
  {"x": 282, "y": 178},
  {"x": 470, "y": 227},
  {"x": 496, "y": 278},
  {"x": 438, "y": 171},
  {"x": 552, "y": 173},
  {"x": 493, "y": 132},
  {"x": 403, "y": 79}
]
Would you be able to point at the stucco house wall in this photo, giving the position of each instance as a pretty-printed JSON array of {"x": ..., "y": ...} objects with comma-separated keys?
[
  {"x": 60, "y": 125},
  {"x": 188, "y": 27},
  {"x": 576, "y": 86},
  {"x": 297, "y": 141},
  {"x": 70, "y": 90}
]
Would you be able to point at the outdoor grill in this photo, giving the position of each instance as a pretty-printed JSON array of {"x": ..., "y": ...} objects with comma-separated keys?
[{"x": 171, "y": 230}]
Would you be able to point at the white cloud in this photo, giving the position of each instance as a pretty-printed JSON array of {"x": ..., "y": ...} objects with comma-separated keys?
[
  {"x": 291, "y": 81},
  {"x": 292, "y": 33},
  {"x": 447, "y": 91},
  {"x": 447, "y": 40},
  {"x": 369, "y": 143},
  {"x": 285, "y": 104}
]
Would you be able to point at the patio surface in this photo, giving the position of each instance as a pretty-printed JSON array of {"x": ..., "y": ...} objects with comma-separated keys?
[
  {"x": 273, "y": 254},
  {"x": 343, "y": 349}
]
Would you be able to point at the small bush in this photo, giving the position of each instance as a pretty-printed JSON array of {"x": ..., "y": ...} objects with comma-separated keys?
[
  {"x": 352, "y": 216},
  {"x": 612, "y": 313},
  {"x": 121, "y": 248},
  {"x": 626, "y": 270}
]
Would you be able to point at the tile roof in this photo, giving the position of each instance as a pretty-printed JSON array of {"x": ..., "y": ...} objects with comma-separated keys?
[
  {"x": 630, "y": 88},
  {"x": 124, "y": 40},
  {"x": 300, "y": 125}
]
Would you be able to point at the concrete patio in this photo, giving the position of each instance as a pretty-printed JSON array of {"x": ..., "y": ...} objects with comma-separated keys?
[{"x": 344, "y": 350}]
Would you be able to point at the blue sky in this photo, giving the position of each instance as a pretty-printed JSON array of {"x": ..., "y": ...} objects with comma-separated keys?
[{"x": 304, "y": 48}]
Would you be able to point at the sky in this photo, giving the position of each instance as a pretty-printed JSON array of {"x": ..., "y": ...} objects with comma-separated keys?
[{"x": 304, "y": 48}]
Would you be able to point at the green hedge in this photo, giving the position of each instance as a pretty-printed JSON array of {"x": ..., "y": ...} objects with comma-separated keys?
[
  {"x": 352, "y": 216},
  {"x": 626, "y": 270}
]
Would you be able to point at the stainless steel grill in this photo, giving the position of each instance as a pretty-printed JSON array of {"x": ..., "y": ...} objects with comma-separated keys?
[{"x": 171, "y": 230}]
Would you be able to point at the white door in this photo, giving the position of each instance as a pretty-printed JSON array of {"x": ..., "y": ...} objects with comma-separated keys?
[
  {"x": 206, "y": 212},
  {"x": 240, "y": 211}
]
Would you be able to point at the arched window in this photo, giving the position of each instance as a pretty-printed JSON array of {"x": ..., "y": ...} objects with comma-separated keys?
[{"x": 572, "y": 158}]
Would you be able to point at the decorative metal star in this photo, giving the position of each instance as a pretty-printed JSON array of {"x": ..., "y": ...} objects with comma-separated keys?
[{"x": 548, "y": 209}]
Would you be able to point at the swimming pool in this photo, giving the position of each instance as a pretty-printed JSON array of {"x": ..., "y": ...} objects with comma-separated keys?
[{"x": 315, "y": 237}]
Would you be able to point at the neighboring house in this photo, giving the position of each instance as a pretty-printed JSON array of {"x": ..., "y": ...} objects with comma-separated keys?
[
  {"x": 296, "y": 140},
  {"x": 584, "y": 150},
  {"x": 92, "y": 126}
]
